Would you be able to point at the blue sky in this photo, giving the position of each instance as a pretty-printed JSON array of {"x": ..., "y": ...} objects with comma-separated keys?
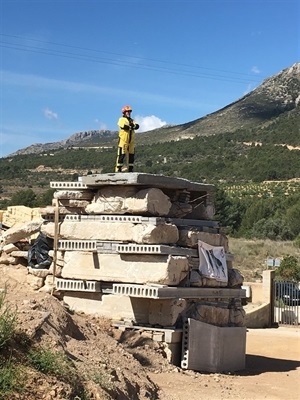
[{"x": 68, "y": 66}]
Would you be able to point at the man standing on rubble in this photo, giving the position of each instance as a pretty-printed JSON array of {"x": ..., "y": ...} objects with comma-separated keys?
[{"x": 126, "y": 145}]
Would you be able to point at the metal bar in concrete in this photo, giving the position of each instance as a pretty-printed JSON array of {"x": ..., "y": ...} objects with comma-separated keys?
[
  {"x": 167, "y": 292},
  {"x": 193, "y": 222}
]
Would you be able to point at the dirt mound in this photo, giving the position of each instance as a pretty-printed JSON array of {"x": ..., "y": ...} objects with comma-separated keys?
[{"x": 109, "y": 363}]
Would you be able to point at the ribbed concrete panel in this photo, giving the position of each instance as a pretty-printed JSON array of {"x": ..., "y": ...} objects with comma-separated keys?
[
  {"x": 209, "y": 348},
  {"x": 124, "y": 248},
  {"x": 77, "y": 285},
  {"x": 167, "y": 292},
  {"x": 137, "y": 219},
  {"x": 68, "y": 185},
  {"x": 155, "y": 249},
  {"x": 136, "y": 291},
  {"x": 50, "y": 217},
  {"x": 85, "y": 245}
]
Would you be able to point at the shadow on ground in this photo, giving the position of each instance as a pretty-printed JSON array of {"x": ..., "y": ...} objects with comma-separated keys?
[{"x": 256, "y": 365}]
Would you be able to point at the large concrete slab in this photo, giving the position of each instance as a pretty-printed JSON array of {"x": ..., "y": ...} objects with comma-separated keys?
[
  {"x": 209, "y": 348},
  {"x": 112, "y": 231},
  {"x": 127, "y": 268},
  {"x": 144, "y": 179}
]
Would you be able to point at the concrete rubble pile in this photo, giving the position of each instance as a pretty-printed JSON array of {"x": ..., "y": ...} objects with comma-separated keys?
[{"x": 126, "y": 246}]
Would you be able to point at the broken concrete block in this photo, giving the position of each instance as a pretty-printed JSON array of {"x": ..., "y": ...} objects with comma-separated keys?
[
  {"x": 166, "y": 312},
  {"x": 126, "y": 268},
  {"x": 13, "y": 235},
  {"x": 213, "y": 315},
  {"x": 15, "y": 216},
  {"x": 70, "y": 203},
  {"x": 190, "y": 237},
  {"x": 35, "y": 282},
  {"x": 9, "y": 248},
  {"x": 235, "y": 278},
  {"x": 80, "y": 194}
]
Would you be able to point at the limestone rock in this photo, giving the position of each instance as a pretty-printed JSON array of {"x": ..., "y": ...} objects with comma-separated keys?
[
  {"x": 189, "y": 238},
  {"x": 121, "y": 200},
  {"x": 80, "y": 194},
  {"x": 15, "y": 234},
  {"x": 209, "y": 314}
]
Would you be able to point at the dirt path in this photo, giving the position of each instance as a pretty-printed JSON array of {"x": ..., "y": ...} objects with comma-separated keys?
[{"x": 272, "y": 372}]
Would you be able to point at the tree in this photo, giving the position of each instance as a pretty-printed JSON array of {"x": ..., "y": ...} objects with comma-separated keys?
[
  {"x": 25, "y": 197},
  {"x": 289, "y": 269}
]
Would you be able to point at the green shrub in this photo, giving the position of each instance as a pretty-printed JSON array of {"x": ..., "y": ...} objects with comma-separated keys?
[
  {"x": 8, "y": 321},
  {"x": 49, "y": 362},
  {"x": 12, "y": 378},
  {"x": 289, "y": 269}
]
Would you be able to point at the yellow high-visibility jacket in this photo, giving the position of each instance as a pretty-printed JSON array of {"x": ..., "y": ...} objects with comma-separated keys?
[{"x": 126, "y": 134}]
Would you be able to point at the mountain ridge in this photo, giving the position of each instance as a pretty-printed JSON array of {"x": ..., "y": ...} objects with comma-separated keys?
[{"x": 276, "y": 96}]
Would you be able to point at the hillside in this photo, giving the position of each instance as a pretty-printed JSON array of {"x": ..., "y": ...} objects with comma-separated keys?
[
  {"x": 270, "y": 102},
  {"x": 275, "y": 97}
]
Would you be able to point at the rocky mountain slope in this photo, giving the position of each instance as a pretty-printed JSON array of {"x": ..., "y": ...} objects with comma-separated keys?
[{"x": 273, "y": 99}]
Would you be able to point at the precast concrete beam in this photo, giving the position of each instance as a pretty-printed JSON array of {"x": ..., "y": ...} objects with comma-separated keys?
[
  {"x": 124, "y": 248},
  {"x": 209, "y": 348},
  {"x": 164, "y": 292}
]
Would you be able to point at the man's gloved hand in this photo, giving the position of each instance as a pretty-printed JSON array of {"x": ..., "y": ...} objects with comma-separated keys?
[
  {"x": 125, "y": 148},
  {"x": 136, "y": 126}
]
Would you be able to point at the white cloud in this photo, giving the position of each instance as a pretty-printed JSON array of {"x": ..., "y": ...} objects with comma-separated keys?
[
  {"x": 50, "y": 114},
  {"x": 102, "y": 125},
  {"x": 255, "y": 70},
  {"x": 149, "y": 123}
]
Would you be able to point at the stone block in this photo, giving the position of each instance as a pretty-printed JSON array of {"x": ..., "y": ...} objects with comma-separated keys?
[
  {"x": 110, "y": 306},
  {"x": 126, "y": 268},
  {"x": 121, "y": 200},
  {"x": 113, "y": 231}
]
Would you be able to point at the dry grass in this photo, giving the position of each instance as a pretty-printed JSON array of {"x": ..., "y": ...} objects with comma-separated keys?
[{"x": 250, "y": 256}]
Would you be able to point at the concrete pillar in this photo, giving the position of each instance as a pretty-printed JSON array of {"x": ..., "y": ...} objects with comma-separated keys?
[{"x": 268, "y": 293}]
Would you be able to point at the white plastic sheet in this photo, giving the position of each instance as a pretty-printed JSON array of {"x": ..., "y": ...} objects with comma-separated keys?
[{"x": 212, "y": 262}]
